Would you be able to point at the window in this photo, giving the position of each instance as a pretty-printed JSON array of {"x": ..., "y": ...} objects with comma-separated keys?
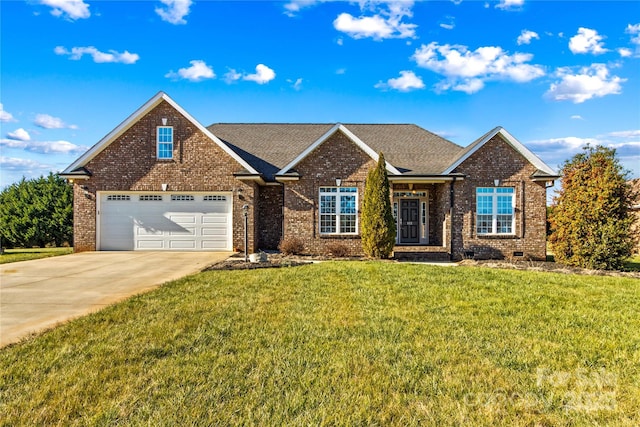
[
  {"x": 165, "y": 142},
  {"x": 494, "y": 210},
  {"x": 150, "y": 198},
  {"x": 214, "y": 198},
  {"x": 118, "y": 197},
  {"x": 182, "y": 198},
  {"x": 338, "y": 210}
]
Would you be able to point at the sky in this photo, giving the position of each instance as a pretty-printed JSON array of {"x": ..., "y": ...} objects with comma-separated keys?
[{"x": 556, "y": 74}]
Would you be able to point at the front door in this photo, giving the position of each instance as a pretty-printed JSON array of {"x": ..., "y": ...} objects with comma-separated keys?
[{"x": 409, "y": 221}]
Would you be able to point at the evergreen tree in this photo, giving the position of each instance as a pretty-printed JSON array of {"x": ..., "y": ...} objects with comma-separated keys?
[
  {"x": 378, "y": 225},
  {"x": 37, "y": 212},
  {"x": 591, "y": 222}
]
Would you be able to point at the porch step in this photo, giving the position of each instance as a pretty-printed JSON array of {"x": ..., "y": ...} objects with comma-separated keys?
[{"x": 420, "y": 253}]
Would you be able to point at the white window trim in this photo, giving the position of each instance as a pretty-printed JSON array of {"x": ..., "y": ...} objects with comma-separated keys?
[
  {"x": 337, "y": 214},
  {"x": 158, "y": 142},
  {"x": 494, "y": 215}
]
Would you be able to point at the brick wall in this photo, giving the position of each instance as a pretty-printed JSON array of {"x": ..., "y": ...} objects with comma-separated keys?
[
  {"x": 337, "y": 157},
  {"x": 130, "y": 164},
  {"x": 498, "y": 160}
]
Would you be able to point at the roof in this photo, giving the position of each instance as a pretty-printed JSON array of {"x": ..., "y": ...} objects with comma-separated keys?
[
  {"x": 266, "y": 150},
  {"x": 275, "y": 148},
  {"x": 73, "y": 169}
]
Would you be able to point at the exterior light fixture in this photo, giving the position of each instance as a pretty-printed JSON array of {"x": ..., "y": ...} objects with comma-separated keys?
[
  {"x": 338, "y": 182},
  {"x": 164, "y": 121},
  {"x": 164, "y": 187},
  {"x": 496, "y": 182}
]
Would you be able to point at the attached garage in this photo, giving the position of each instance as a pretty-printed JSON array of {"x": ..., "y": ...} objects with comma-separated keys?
[{"x": 164, "y": 221}]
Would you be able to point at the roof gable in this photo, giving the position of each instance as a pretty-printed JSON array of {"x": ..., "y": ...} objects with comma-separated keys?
[
  {"x": 134, "y": 118},
  {"x": 512, "y": 141},
  {"x": 337, "y": 128}
]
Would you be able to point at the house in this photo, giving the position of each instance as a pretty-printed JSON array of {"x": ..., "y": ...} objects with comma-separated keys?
[
  {"x": 635, "y": 211},
  {"x": 162, "y": 181}
]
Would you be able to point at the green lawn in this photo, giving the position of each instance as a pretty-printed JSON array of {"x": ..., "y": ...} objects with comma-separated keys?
[
  {"x": 15, "y": 255},
  {"x": 341, "y": 343}
]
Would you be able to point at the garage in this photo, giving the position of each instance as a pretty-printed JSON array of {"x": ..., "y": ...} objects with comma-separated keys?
[{"x": 164, "y": 221}]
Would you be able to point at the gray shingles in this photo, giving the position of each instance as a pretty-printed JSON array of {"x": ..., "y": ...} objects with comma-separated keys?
[{"x": 269, "y": 147}]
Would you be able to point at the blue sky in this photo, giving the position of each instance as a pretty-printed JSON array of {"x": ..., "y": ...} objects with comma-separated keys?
[{"x": 557, "y": 75}]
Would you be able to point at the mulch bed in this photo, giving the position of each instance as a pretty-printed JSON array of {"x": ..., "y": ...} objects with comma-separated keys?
[{"x": 278, "y": 260}]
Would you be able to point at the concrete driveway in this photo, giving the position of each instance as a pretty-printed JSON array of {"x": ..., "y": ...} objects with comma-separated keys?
[{"x": 38, "y": 294}]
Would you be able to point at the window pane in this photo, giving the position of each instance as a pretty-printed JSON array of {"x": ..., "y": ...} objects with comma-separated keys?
[
  {"x": 504, "y": 223},
  {"x": 348, "y": 190},
  {"x": 505, "y": 205},
  {"x": 327, "y": 223},
  {"x": 327, "y": 204},
  {"x": 485, "y": 205},
  {"x": 328, "y": 189},
  {"x": 347, "y": 204},
  {"x": 347, "y": 223},
  {"x": 484, "y": 224}
]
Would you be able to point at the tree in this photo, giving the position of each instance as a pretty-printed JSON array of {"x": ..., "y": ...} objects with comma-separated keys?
[
  {"x": 591, "y": 222},
  {"x": 37, "y": 212},
  {"x": 378, "y": 225}
]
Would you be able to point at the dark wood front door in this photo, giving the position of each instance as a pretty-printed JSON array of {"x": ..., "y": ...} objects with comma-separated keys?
[{"x": 409, "y": 221}]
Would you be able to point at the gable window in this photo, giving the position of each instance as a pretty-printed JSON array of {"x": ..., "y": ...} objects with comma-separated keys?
[
  {"x": 338, "y": 210},
  {"x": 164, "y": 139},
  {"x": 494, "y": 210}
]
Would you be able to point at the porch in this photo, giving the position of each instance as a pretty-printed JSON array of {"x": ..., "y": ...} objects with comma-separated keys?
[{"x": 421, "y": 253}]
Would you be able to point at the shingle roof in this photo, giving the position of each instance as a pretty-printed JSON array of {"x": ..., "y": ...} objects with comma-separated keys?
[{"x": 270, "y": 147}]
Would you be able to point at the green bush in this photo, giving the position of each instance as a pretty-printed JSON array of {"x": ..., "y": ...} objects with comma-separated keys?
[
  {"x": 378, "y": 225},
  {"x": 591, "y": 222}
]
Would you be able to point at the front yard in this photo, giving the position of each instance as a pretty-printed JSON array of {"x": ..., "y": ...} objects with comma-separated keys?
[{"x": 342, "y": 343}]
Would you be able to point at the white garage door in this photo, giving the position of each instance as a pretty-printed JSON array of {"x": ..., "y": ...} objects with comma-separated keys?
[{"x": 164, "y": 221}]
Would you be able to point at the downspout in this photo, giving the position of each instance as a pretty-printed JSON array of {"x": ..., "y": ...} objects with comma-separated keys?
[{"x": 451, "y": 203}]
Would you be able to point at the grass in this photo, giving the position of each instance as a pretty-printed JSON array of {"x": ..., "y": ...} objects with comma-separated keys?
[
  {"x": 342, "y": 343},
  {"x": 15, "y": 255}
]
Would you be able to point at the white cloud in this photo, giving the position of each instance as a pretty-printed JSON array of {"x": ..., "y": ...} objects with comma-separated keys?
[
  {"x": 44, "y": 147},
  {"x": 467, "y": 70},
  {"x": 625, "y": 134},
  {"x": 634, "y": 30},
  {"x": 70, "y": 9},
  {"x": 385, "y": 23},
  {"x": 49, "y": 122},
  {"x": 232, "y": 76},
  {"x": 174, "y": 11},
  {"x": 449, "y": 23},
  {"x": 19, "y": 134},
  {"x": 624, "y": 52},
  {"x": 510, "y": 4},
  {"x": 296, "y": 85},
  {"x": 262, "y": 75},
  {"x": 198, "y": 71},
  {"x": 577, "y": 117},
  {"x": 587, "y": 41},
  {"x": 406, "y": 82},
  {"x": 588, "y": 82},
  {"x": 99, "y": 57},
  {"x": 526, "y": 36},
  {"x": 5, "y": 116},
  {"x": 17, "y": 164},
  {"x": 295, "y": 6}
]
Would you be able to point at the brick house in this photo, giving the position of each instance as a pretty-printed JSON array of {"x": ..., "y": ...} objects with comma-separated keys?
[{"x": 162, "y": 181}]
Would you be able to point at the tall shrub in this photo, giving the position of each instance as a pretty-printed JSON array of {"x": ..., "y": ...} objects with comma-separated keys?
[
  {"x": 378, "y": 225},
  {"x": 37, "y": 212},
  {"x": 591, "y": 222}
]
